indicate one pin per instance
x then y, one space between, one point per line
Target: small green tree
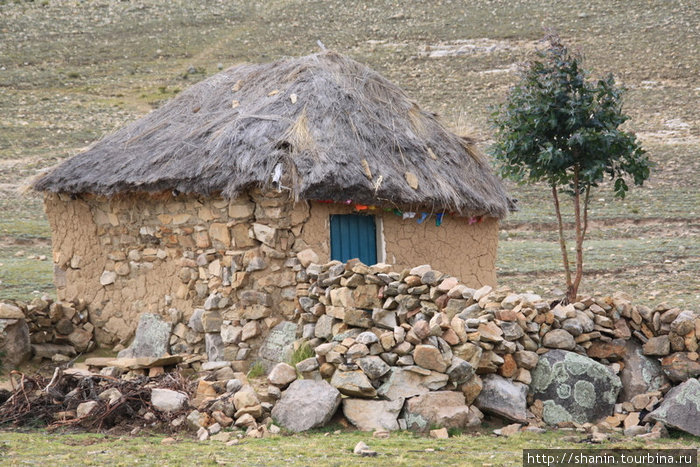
559 127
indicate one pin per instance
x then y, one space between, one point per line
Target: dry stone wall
445 352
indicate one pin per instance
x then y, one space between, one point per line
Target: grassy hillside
72 71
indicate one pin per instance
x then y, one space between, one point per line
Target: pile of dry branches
36 400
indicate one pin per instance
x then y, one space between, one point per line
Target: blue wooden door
353 236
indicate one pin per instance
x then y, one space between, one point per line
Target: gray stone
308 331
84 408
195 322
640 374
151 340
15 345
231 334
681 408
459 371
559 339
370 415
214 346
306 404
658 346
403 383
384 318
374 367
282 374
511 330
367 338
233 385
574 388
353 383
444 409
279 345
324 327
307 365
167 400
111 395
503 397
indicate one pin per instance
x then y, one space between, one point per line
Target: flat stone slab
144 362
99 362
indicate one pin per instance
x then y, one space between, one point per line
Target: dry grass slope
71 72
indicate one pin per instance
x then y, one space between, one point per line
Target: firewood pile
78 398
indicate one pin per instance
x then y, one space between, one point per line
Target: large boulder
503 397
446 409
278 345
15 347
306 404
573 388
152 338
640 374
681 408
369 415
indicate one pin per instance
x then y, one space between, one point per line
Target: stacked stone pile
417 348
45 329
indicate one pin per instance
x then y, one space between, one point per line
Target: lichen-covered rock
152 338
278 345
306 404
640 374
574 388
681 408
369 415
503 397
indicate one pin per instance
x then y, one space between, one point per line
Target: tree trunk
573 290
562 240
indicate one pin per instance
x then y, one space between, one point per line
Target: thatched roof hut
247 182
324 126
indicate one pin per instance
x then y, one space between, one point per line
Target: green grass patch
333 449
302 352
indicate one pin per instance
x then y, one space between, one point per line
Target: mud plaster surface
465 251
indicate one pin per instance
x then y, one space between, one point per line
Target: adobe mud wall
457 247
130 255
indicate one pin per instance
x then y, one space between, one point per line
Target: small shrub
301 353
256 370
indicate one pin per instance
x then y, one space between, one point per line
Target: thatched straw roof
323 126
